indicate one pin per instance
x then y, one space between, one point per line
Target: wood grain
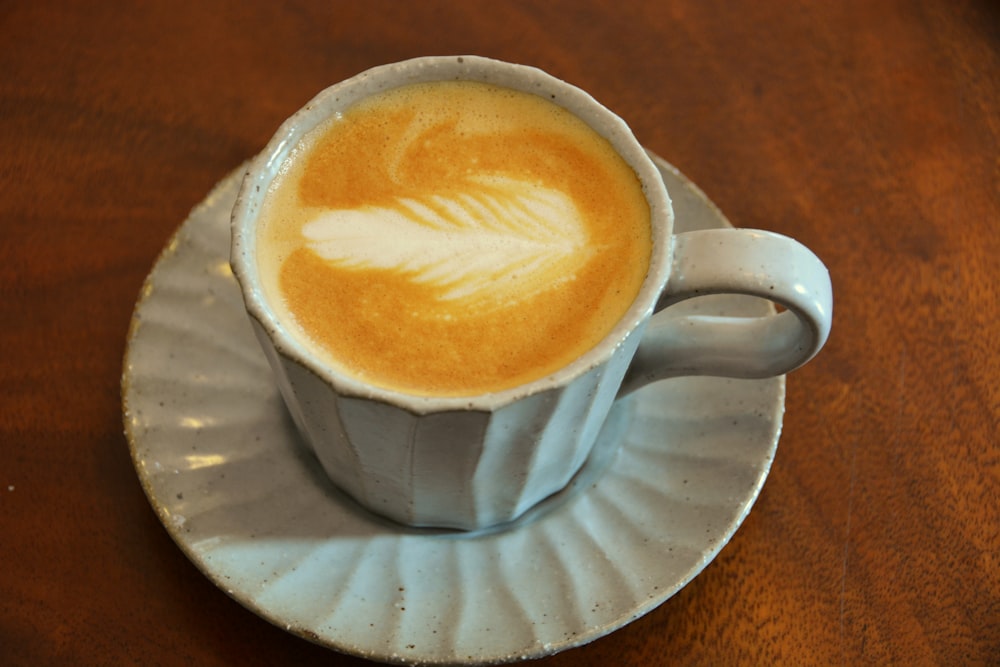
868 130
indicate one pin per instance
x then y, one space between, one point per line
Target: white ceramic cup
479 461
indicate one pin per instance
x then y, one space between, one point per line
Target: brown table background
866 129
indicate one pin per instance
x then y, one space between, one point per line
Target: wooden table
868 130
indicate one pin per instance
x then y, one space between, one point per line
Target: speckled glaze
674 472
476 462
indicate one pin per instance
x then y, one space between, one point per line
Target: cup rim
262 169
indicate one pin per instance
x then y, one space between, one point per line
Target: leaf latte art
452 239
501 240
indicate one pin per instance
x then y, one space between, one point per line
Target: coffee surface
453 239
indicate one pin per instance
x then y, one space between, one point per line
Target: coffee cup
456 265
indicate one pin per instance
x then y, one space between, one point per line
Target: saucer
676 470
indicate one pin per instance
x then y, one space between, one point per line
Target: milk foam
498 240
452 239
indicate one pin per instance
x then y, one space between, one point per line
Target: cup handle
736 261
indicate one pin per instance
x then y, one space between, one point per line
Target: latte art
499 240
452 239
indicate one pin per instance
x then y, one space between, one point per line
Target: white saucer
225 471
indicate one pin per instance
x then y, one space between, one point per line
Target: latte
452 239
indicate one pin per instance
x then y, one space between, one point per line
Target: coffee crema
452 239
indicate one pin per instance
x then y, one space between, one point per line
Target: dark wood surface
868 130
